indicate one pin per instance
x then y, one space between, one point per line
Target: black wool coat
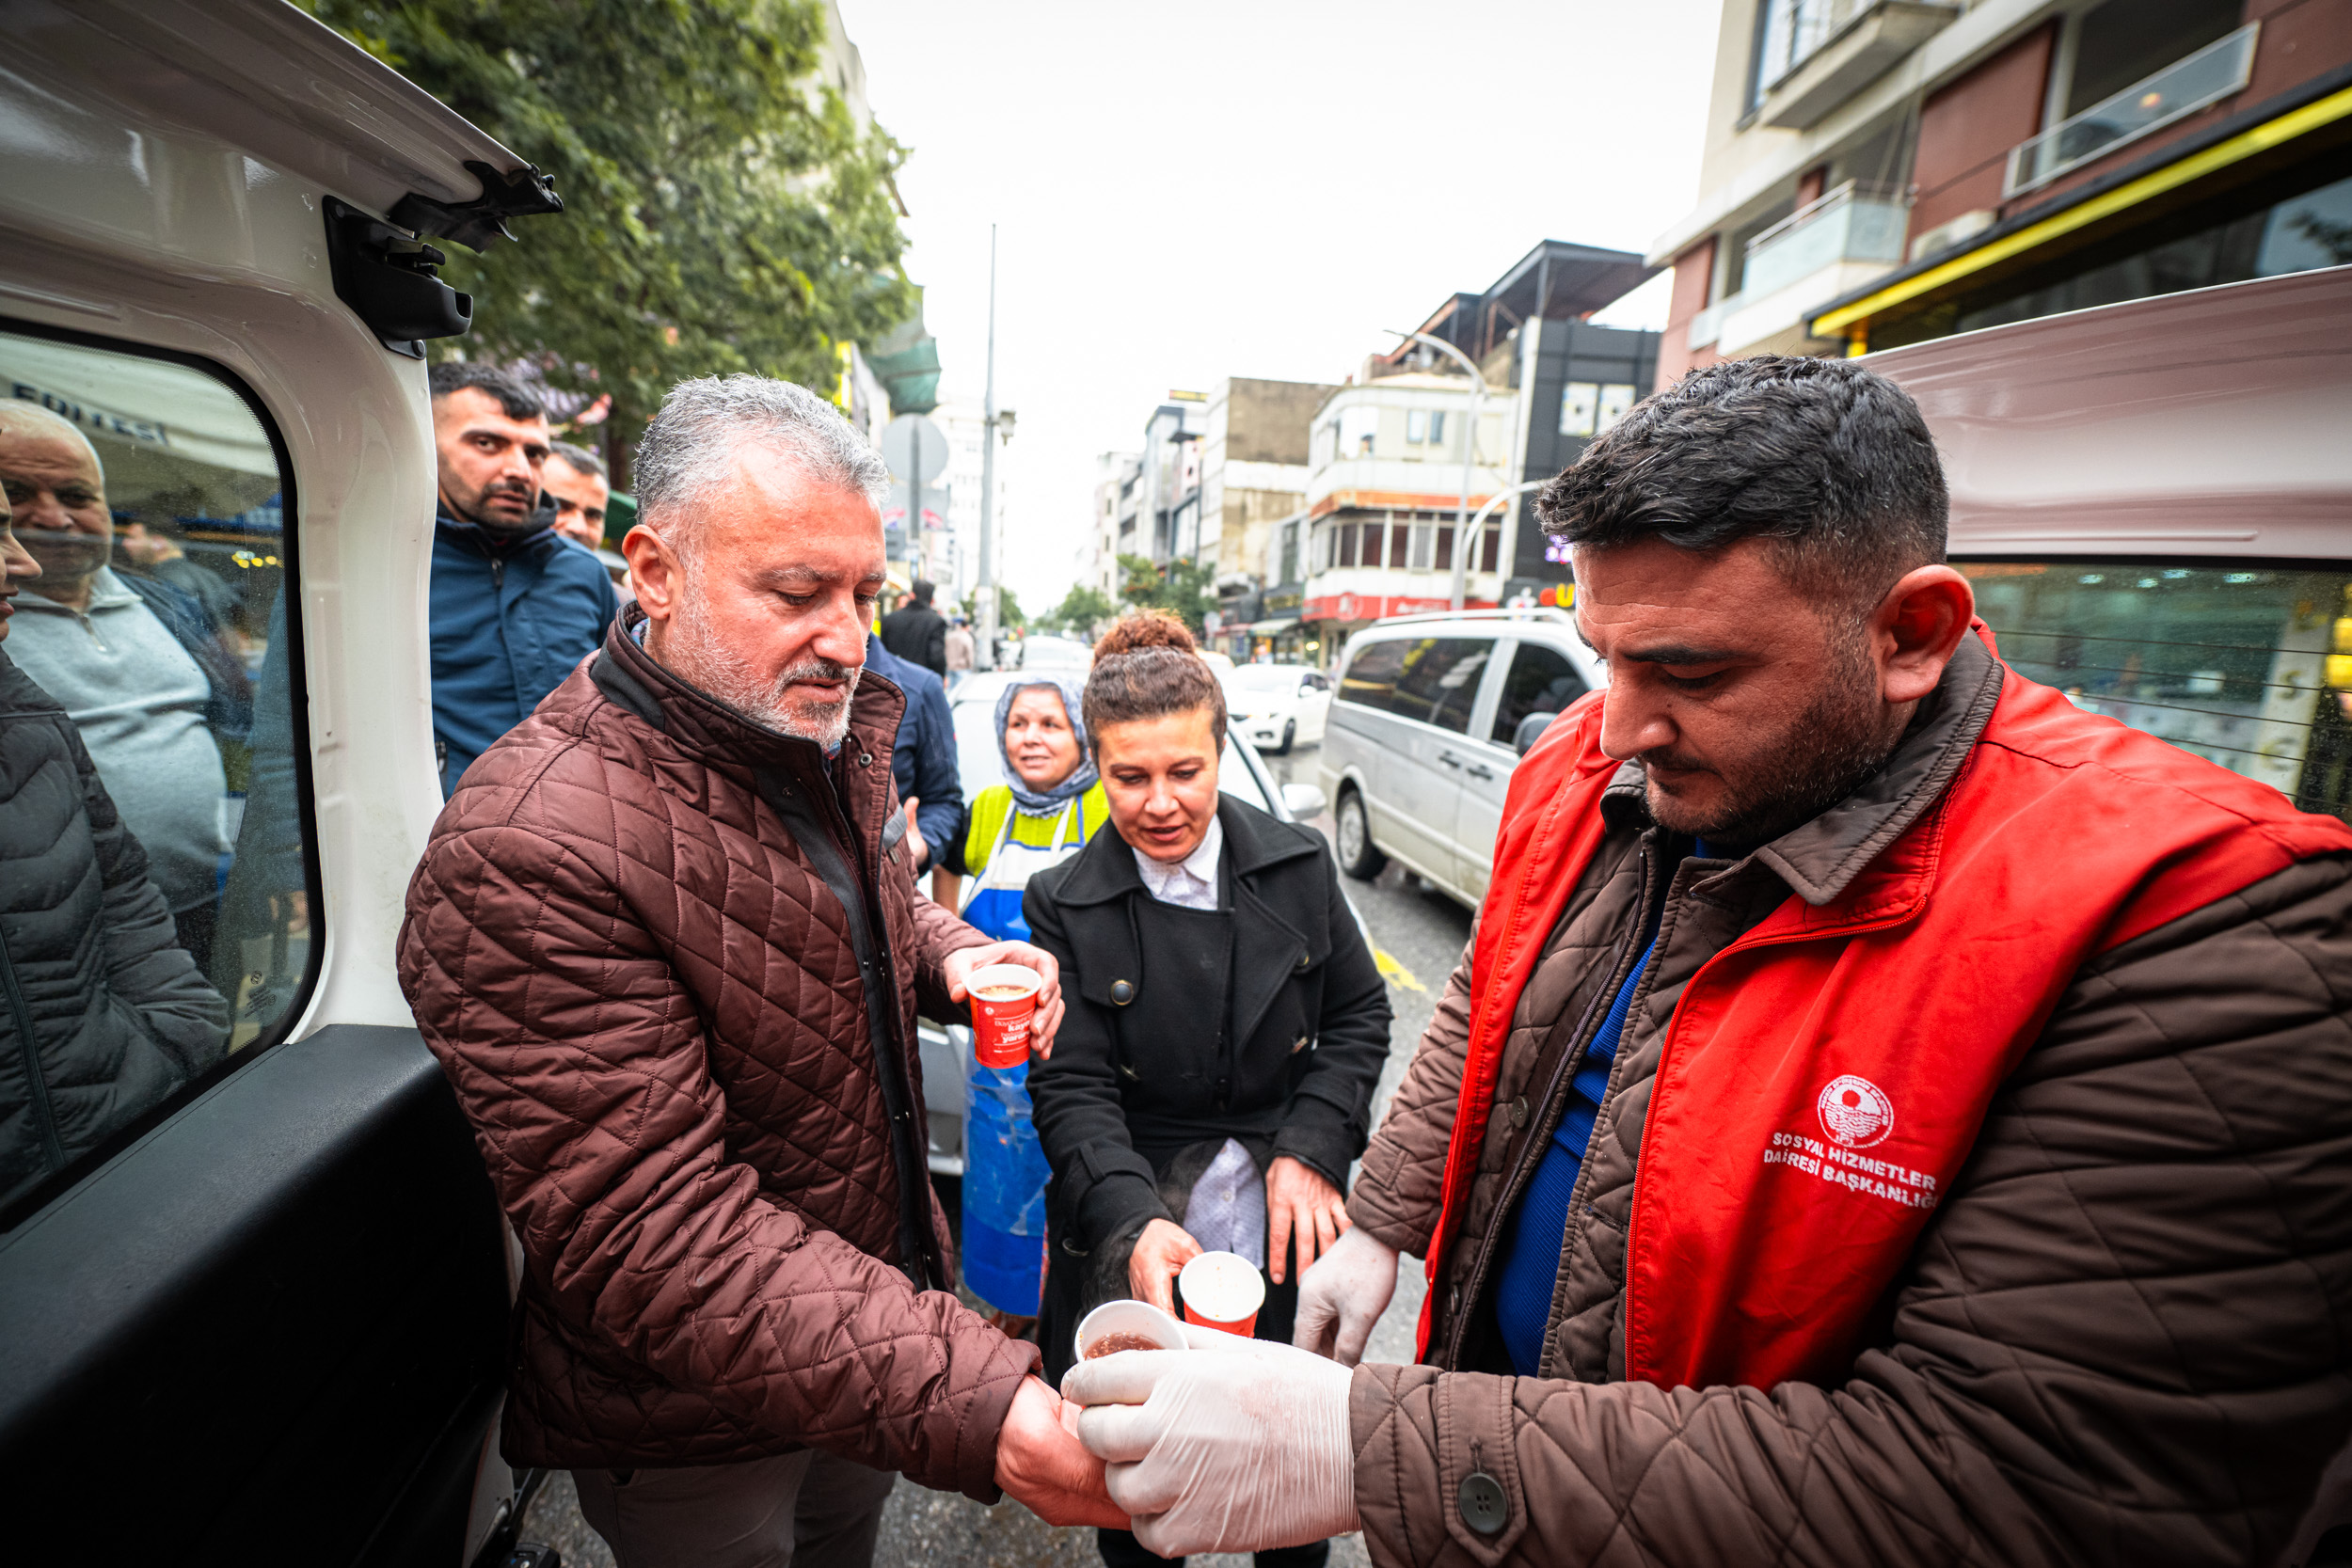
1141 1070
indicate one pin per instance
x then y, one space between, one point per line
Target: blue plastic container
1003 1192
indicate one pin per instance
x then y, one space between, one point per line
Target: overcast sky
1185 193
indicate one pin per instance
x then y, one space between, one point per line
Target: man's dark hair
1829 463
921 590
579 459
456 375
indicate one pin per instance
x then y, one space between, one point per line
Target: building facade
1879 172
1377 535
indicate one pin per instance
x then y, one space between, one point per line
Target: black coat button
1122 991
1485 1508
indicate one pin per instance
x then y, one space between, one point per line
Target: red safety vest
1823 1076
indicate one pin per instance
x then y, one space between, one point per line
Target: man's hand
1344 1295
920 852
957 967
1163 1249
1041 1466
1299 1204
1232 1446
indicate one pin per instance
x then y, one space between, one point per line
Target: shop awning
1268 628
141 403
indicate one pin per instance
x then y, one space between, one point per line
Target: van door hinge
389 280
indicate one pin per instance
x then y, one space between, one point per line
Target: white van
1432 713
254 1307
2154 501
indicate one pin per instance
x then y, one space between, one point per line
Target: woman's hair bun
1145 629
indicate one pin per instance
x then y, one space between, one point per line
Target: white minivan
1431 715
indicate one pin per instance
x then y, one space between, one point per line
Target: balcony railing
1841 225
2183 88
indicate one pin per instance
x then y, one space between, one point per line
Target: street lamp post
1469 456
986 591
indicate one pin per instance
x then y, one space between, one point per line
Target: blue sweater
510 622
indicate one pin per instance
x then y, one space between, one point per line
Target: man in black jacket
916 632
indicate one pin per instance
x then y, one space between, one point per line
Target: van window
1439 680
1541 681
2247 666
1371 675
155 918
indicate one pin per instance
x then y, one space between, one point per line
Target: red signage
1372 606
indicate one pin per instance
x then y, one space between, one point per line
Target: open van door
253 1285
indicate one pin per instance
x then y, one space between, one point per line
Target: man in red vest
1886 1114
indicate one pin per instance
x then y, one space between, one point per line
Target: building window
1423 536
1417 426
1589 407
1358 426
1347 544
1441 559
1400 543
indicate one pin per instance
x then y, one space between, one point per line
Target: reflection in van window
1371 676
1440 680
153 909
1541 681
2247 666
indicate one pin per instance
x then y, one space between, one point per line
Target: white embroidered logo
1854 1112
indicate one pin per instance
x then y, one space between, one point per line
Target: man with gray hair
665 941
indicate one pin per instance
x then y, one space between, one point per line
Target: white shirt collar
1191 881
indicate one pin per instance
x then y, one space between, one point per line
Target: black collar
1106 868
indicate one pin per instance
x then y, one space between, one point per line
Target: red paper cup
1222 1290
1003 998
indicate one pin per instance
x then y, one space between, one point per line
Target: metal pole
1462 541
985 589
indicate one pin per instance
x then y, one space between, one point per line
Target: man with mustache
666 943
514 607
1886 1114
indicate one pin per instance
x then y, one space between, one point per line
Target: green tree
722 212
1081 609
1009 615
1184 588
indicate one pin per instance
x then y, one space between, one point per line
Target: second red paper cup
1222 1290
1003 998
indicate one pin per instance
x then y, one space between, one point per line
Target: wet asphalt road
1421 933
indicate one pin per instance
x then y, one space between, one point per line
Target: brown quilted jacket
651 1008
2126 1337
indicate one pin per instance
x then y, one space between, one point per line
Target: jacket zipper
37 1086
1529 1157
498 572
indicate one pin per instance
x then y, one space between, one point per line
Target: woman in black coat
1226 1023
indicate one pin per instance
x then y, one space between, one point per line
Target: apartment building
1384 491
1118 477
1880 172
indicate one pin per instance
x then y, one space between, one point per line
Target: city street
1418 935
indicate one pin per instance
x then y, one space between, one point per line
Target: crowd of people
1883 1113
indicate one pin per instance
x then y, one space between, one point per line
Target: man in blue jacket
516 605
923 765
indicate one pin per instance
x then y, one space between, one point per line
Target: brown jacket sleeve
939 931
2121 1341
581 1064
1403 1177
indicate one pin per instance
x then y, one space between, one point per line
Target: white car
1275 706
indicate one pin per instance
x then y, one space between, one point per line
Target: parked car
1278 706
1045 652
947 1048
1427 724
2148 498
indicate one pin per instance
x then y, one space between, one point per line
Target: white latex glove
1232 1446
1342 1296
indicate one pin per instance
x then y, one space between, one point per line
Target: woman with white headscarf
1049 806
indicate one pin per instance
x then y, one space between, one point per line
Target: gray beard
695 650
